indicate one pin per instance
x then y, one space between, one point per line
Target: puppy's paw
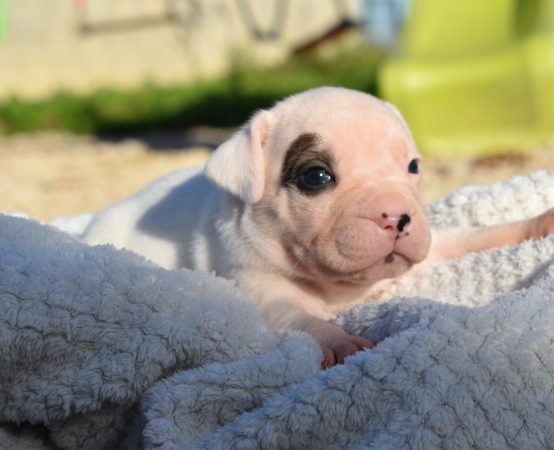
543 225
338 345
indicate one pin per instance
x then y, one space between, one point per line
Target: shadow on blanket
104 350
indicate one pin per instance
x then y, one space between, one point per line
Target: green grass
225 102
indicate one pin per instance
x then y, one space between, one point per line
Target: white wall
44 49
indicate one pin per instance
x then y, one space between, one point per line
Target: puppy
306 207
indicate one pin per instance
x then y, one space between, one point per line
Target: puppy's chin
391 266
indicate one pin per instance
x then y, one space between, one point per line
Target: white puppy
306 207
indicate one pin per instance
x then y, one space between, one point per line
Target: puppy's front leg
286 306
451 244
335 343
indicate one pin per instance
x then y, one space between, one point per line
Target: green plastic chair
474 76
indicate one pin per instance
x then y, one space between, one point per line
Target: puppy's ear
238 165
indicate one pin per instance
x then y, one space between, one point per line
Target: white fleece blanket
101 350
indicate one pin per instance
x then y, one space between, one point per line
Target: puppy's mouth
392 259
389 258
392 265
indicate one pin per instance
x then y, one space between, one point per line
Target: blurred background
99 97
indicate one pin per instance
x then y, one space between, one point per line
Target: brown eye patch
303 155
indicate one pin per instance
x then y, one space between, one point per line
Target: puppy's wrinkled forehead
334 112
333 117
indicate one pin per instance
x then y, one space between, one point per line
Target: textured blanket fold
100 349
85 331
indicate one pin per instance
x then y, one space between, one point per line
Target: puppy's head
330 178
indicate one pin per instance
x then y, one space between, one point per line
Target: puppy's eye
314 179
413 167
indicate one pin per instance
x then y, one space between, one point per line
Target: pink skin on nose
397 225
391 212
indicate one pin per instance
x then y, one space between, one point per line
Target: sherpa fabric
100 349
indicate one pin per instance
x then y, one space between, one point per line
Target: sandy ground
52 175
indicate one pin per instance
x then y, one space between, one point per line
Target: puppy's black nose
404 220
